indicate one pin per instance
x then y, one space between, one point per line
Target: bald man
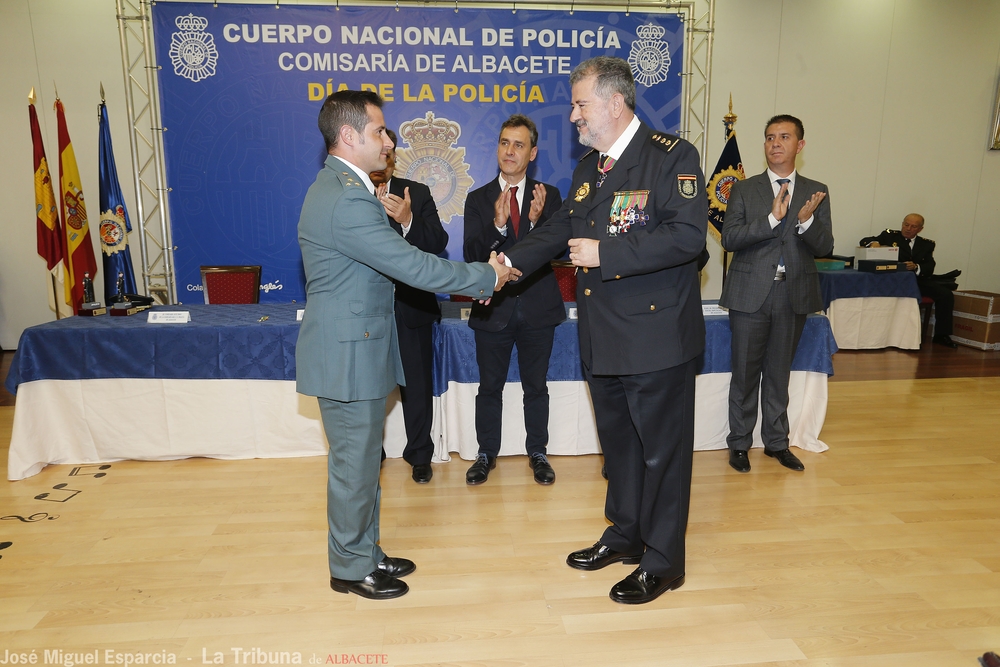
918 253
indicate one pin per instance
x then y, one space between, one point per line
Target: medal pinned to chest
627 210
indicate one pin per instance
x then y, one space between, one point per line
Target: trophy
90 306
128 304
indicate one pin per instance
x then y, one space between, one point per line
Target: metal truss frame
146 132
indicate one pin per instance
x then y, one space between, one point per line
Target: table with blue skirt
102 389
872 310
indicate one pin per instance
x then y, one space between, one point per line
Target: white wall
896 97
897 100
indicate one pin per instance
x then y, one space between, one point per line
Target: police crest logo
192 50
112 230
627 209
649 57
721 186
434 160
687 185
582 193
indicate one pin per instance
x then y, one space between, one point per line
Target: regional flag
727 172
78 257
115 225
48 229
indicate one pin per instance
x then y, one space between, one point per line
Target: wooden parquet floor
884 552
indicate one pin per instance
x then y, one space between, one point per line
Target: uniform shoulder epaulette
587 154
351 180
664 141
892 231
928 240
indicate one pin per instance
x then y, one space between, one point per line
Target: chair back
566 277
231 284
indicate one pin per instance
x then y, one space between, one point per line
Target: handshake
505 274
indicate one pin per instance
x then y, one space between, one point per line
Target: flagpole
729 120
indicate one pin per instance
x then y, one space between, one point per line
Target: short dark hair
520 120
613 76
392 136
345 107
786 118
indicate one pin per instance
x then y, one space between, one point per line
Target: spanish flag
49 231
78 257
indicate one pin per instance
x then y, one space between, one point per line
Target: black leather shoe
396 567
376 586
479 472
739 461
641 587
598 556
787 459
946 341
422 473
544 474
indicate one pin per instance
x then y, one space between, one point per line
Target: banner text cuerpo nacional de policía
241 87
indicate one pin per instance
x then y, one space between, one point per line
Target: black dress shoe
787 459
479 472
598 556
396 567
946 341
422 473
739 460
544 474
641 587
376 586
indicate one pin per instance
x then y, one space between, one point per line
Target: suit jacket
347 348
416 307
922 253
640 311
541 301
747 233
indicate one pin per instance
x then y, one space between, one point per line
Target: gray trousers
353 493
763 346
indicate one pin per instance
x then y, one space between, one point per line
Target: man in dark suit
918 253
777 223
635 221
414 216
498 216
347 354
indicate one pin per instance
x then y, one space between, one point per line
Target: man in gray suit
347 353
777 223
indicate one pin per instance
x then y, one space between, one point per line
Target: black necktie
781 225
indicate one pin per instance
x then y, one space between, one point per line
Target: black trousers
493 350
944 305
416 351
763 347
646 426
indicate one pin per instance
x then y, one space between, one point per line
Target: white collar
519 185
623 140
774 177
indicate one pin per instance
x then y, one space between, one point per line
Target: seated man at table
918 253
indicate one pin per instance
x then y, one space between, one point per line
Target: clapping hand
537 203
397 207
501 208
810 206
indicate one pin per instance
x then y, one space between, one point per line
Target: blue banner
241 87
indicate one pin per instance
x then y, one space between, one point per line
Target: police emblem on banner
112 231
192 50
627 209
687 185
650 55
434 160
720 187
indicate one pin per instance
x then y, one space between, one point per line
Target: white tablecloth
873 322
105 420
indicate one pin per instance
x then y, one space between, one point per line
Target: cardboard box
977 319
880 266
885 253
